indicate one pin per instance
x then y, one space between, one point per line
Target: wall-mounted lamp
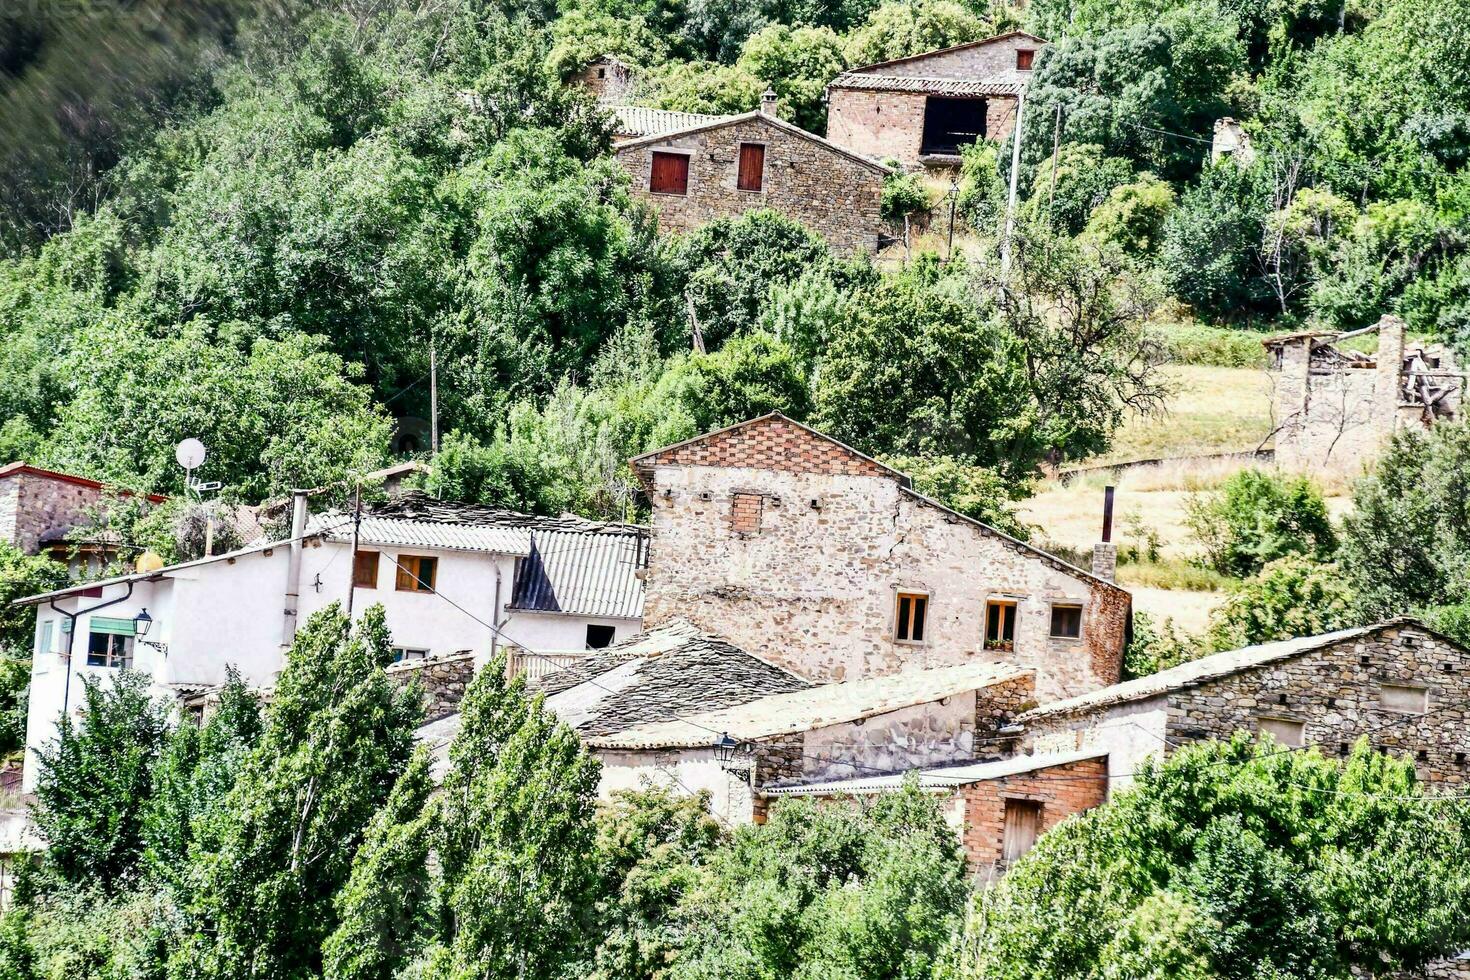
142 623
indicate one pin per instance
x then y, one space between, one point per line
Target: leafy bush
1132 217
1211 243
903 195
1257 517
1196 343
975 491
1085 176
1157 646
899 29
1289 597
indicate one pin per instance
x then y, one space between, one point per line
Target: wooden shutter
1025 59
365 570
1023 826
752 166
408 566
670 173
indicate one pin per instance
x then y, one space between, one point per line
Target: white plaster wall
922 735
547 632
1129 733
685 771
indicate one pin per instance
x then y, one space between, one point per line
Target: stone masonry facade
813 586
1405 687
1061 791
37 505
442 679
890 125
830 191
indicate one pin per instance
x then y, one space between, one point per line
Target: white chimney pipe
293 570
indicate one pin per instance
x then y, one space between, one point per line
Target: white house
445 573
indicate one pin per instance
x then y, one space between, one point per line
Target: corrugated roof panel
584 574
637 120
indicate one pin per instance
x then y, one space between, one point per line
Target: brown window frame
910 605
741 183
1002 642
1070 607
362 577
411 577
653 168
1025 59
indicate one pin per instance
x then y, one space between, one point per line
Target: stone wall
37 506
610 81
831 193
994 61
1062 791
890 125
442 679
813 587
1335 692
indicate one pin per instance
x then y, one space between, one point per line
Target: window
105 649
1022 827
602 73
599 637
950 124
1292 734
43 643
401 654
752 167
669 174
1000 625
1399 697
365 570
1066 621
1025 58
908 623
416 573
745 513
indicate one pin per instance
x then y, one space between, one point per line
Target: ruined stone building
1403 685
809 554
609 79
925 108
1337 406
725 166
39 508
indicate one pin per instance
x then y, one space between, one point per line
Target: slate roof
637 120
938 779
661 674
1205 669
812 707
931 86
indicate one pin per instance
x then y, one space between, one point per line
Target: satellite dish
190 453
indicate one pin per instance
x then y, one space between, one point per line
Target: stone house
925 108
40 507
734 164
999 808
811 555
1401 684
1336 406
609 79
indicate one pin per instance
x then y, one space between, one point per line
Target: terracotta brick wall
826 190
994 62
1061 790
769 444
745 513
890 125
33 507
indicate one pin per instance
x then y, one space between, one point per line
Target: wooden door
752 167
1022 827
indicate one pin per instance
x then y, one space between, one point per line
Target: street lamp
954 196
142 623
725 748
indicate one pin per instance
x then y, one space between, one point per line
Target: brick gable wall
770 444
1062 791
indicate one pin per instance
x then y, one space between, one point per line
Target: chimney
1105 553
768 104
293 569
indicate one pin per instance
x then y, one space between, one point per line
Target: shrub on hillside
1293 596
1257 517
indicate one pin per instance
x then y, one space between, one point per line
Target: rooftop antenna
190 454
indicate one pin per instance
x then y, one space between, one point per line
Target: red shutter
1024 60
670 174
752 166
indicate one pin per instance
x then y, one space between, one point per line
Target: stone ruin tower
1335 407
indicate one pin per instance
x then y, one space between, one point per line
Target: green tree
1210 255
383 909
21 575
975 491
1133 217
796 63
1157 646
1084 177
652 848
1406 538
1285 863
751 375
835 891
1257 517
95 783
338 734
1289 597
897 30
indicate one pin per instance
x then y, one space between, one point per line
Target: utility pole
356 527
1056 148
954 196
1005 241
433 396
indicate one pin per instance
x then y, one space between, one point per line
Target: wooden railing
537 665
